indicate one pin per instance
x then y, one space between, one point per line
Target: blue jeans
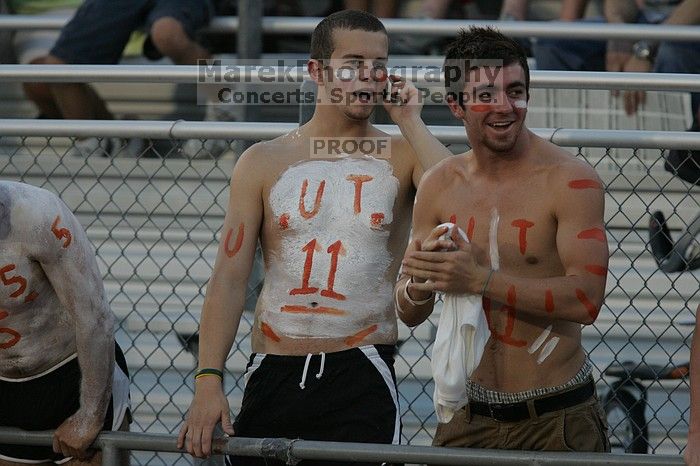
589 55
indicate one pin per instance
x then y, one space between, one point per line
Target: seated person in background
641 56
59 365
692 449
536 253
546 10
33 45
98 33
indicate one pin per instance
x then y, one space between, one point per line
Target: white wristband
411 301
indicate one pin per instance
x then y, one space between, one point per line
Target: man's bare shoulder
563 165
447 171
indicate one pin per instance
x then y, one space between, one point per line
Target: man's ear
453 103
315 69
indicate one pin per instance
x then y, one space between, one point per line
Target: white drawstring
323 363
306 369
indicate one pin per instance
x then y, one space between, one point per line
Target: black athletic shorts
347 396
100 29
44 403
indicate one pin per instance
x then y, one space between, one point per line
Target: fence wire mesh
153 212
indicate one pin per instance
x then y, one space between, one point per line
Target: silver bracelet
411 301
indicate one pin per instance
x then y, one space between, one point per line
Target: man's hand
208 407
447 265
692 450
76 434
404 102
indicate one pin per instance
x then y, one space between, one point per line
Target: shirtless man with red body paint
333 228
537 252
58 368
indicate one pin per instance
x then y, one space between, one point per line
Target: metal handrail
293 451
180 129
283 25
295 74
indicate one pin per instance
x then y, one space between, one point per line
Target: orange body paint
361 335
593 233
358 180
590 307
597 270
317 202
549 301
284 221
453 219
15 335
376 220
335 250
523 225
269 333
31 297
585 184
480 107
16 280
312 310
309 249
230 252
61 233
506 337
470 228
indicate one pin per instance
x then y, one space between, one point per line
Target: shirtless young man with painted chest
333 231
537 251
57 350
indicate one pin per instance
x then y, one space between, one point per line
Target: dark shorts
582 427
44 403
100 29
353 398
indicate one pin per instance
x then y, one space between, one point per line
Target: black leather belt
513 412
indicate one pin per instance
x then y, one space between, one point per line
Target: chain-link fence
154 214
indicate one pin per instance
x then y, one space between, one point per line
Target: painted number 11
310 248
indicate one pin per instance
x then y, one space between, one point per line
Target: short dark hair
322 45
481 43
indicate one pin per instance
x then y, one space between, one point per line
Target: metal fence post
110 455
250 14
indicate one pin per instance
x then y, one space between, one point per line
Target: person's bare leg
385 8
171 40
77 101
40 94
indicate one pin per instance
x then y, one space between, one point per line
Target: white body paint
493 239
520 104
538 342
547 350
361 270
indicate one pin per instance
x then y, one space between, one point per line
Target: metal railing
280 25
296 75
264 131
293 451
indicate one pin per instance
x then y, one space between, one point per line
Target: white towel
461 336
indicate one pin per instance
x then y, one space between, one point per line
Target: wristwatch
644 50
